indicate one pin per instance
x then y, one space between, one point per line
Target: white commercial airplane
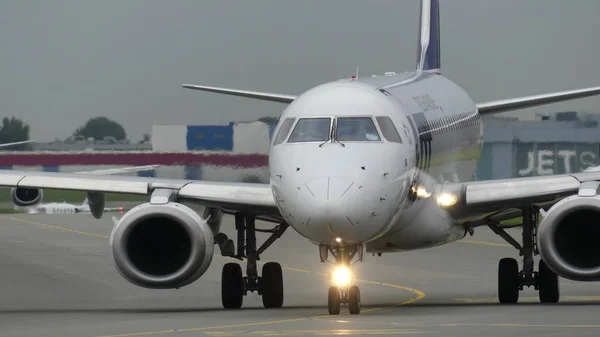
66 208
371 164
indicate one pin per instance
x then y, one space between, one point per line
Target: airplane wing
476 201
493 107
485 108
16 143
592 169
230 197
264 96
120 170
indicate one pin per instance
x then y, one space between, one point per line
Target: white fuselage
356 187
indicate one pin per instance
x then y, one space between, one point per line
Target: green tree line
14 129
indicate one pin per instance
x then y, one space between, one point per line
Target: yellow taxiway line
418 293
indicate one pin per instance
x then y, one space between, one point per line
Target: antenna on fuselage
355 76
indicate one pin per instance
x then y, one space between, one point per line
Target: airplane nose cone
329 189
330 207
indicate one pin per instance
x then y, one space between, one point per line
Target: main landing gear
511 280
342 291
235 285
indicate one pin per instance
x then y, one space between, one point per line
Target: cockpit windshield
311 130
356 129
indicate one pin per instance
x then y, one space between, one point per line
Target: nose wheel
337 297
342 292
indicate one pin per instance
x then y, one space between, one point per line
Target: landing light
422 192
341 276
338 240
446 199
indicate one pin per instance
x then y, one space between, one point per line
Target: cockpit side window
284 130
311 130
356 129
390 133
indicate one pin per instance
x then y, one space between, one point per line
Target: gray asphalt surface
58 279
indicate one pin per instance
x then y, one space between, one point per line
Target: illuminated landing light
338 240
446 199
341 276
422 192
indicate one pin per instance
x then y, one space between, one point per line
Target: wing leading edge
494 107
475 200
230 197
479 199
263 96
485 108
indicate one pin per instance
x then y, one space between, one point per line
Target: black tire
509 281
354 300
232 286
272 285
333 301
548 285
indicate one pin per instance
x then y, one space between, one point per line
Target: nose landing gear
337 297
343 291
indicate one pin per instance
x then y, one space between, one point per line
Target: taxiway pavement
58 279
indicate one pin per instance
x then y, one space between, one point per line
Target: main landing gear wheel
232 286
334 301
547 282
509 281
272 285
354 300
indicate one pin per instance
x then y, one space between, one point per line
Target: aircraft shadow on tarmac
318 309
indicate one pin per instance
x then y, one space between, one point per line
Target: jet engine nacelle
24 197
162 246
568 238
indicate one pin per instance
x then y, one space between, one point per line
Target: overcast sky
64 61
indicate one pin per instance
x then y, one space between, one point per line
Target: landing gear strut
343 291
511 280
234 285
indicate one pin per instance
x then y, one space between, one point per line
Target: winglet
263 96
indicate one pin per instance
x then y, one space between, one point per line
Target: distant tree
269 120
146 138
100 127
14 130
